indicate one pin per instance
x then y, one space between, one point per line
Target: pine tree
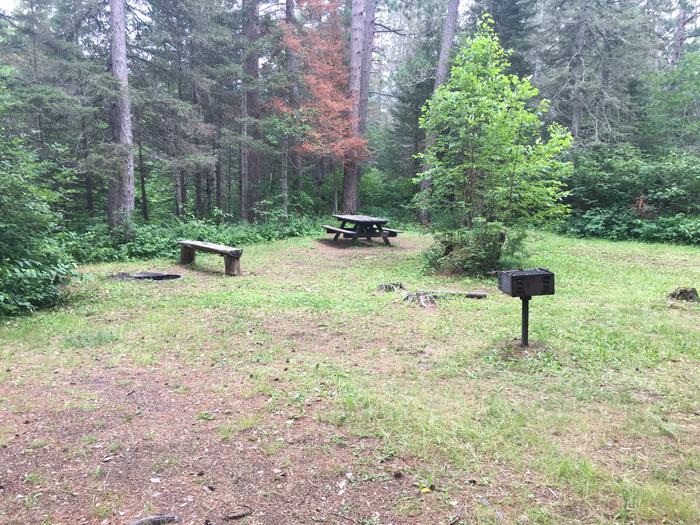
120 201
514 23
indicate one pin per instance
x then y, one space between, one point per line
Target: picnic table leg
232 265
356 229
337 235
186 254
384 237
367 232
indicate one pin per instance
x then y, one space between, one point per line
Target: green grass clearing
596 423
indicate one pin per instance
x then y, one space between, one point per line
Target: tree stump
685 294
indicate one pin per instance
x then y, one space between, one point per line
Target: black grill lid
526 273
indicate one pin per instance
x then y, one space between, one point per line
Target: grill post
525 321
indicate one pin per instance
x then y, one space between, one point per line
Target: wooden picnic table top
360 219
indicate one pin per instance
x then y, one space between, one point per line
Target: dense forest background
119 118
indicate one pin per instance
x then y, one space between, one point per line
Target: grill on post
526 284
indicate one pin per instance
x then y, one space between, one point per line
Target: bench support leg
186 255
232 265
386 241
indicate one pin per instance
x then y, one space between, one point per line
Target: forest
128 124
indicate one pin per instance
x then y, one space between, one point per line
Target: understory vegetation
620 193
160 240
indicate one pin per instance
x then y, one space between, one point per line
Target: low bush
618 193
621 223
33 264
149 241
484 247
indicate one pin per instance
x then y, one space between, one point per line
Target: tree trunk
361 46
577 76
198 194
251 29
351 187
89 186
245 154
443 68
142 177
320 178
296 161
177 181
448 36
366 70
183 189
120 201
218 184
291 67
284 180
335 191
209 188
229 182
679 36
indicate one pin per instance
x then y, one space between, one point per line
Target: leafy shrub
32 262
618 193
476 251
149 241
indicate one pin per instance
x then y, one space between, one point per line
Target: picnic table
361 226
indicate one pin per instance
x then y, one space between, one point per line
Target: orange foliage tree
325 106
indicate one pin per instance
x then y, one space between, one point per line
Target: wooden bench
232 256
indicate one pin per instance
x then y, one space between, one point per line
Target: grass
595 423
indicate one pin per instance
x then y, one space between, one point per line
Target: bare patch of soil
109 446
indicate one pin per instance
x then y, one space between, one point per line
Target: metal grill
526 284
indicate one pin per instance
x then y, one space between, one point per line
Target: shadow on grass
345 244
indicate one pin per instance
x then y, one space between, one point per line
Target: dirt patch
146 443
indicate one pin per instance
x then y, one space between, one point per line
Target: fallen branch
390 287
161 519
426 299
442 294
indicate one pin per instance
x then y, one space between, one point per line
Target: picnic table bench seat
232 256
335 229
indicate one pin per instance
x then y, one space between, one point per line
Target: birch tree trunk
361 47
443 68
120 192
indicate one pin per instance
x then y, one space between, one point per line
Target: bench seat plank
334 229
213 248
